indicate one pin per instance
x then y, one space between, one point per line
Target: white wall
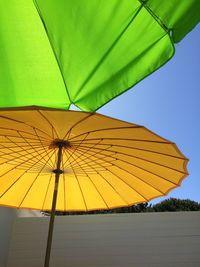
6 221
117 240
7 218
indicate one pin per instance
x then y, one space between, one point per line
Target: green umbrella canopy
85 52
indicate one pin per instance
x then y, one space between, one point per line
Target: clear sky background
168 103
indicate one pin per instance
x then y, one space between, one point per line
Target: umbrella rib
88 148
30 162
25 146
52 127
107 129
114 189
74 164
10 119
15 180
86 208
18 151
155 164
9 135
96 165
46 191
136 148
33 182
121 153
20 142
17 166
80 121
34 148
107 183
8 161
143 170
12 184
135 176
123 139
66 137
69 163
130 185
43 147
104 179
76 148
15 130
93 161
93 184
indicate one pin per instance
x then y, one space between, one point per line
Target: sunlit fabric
55 53
106 163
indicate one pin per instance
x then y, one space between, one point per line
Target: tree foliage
174 204
171 204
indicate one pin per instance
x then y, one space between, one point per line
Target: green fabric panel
85 52
103 47
29 74
180 16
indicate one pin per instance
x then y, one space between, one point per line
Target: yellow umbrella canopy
104 162
70 160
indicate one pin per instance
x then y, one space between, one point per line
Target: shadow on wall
7 216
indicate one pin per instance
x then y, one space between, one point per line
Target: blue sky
167 102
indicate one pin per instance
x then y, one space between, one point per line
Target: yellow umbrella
79 161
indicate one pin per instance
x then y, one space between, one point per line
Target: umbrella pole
57 172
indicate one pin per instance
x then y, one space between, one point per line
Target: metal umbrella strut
79 161
58 171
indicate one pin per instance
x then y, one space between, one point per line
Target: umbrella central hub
56 143
58 171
